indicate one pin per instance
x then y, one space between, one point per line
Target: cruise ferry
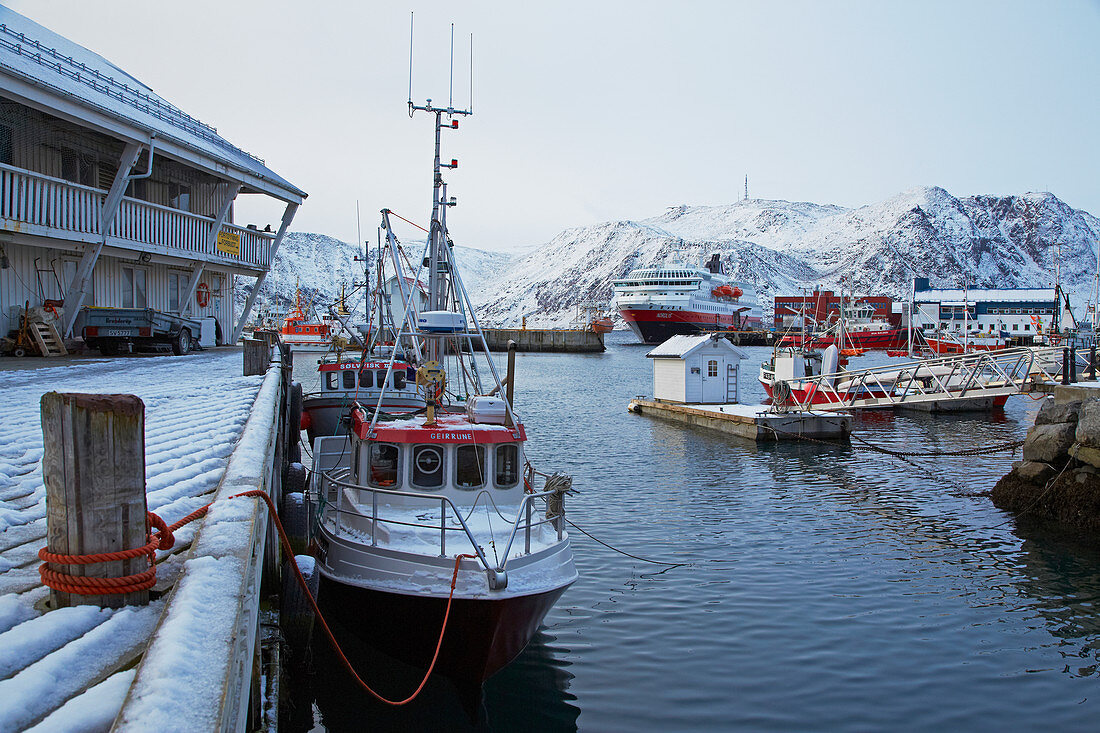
662 301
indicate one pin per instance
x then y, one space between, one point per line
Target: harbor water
823 588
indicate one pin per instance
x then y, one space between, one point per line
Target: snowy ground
195 406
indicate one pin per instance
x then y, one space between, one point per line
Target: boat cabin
451 458
352 376
696 369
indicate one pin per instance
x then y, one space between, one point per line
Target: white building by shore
1013 312
111 196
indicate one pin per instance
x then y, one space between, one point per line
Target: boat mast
1096 294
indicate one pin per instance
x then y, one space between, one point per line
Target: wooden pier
192 658
752 422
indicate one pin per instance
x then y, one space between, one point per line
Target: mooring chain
867 445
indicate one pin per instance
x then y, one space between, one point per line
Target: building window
1027 326
5 145
1015 326
175 285
470 466
133 287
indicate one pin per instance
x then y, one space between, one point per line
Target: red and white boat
663 301
303 334
349 378
860 330
790 376
437 507
948 344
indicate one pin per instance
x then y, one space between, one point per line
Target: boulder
1088 424
1049 443
1034 472
1085 454
1051 412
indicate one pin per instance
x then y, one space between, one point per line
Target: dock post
511 389
1072 364
1092 362
257 357
1065 365
93 467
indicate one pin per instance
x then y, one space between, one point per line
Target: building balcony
34 204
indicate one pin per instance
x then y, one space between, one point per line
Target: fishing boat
431 525
790 375
302 333
860 329
662 301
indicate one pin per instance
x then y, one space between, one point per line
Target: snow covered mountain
320 265
781 246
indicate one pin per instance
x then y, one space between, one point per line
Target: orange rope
409 222
164 539
324 625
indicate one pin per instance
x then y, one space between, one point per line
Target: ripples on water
828 588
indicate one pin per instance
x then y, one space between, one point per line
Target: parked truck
114 330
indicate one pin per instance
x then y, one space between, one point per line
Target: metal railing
981 374
333 486
70 210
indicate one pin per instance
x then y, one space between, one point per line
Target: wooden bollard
257 357
93 466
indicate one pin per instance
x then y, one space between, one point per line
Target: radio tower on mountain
746 186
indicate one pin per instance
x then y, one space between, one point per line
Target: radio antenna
472 80
410 62
451 82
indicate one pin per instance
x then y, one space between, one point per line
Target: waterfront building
1013 312
823 306
112 196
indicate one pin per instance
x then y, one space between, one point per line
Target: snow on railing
65 209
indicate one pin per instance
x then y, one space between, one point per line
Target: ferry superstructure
661 301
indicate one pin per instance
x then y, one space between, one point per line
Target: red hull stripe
688 317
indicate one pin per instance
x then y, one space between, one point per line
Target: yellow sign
229 243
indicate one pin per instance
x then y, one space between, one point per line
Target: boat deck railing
334 484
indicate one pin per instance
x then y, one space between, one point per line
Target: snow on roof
1005 295
35 53
678 347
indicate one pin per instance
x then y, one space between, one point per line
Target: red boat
952 345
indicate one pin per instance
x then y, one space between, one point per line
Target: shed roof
679 347
32 53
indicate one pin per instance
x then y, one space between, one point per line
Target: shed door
714 381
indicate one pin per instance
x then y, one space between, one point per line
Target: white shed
699 369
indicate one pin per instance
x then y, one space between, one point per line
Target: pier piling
257 357
93 468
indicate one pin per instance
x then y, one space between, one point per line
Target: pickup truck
111 330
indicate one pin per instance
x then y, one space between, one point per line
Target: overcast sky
591 111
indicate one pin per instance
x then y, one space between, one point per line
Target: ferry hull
656 326
483 635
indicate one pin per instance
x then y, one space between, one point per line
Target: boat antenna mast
436 261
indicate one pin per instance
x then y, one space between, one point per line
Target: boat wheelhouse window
470 466
427 466
380 379
366 379
349 379
399 379
332 380
506 466
383 460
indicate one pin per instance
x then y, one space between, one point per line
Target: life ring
202 295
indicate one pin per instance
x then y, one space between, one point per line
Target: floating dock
565 340
752 422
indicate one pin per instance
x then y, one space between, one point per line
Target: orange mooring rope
163 540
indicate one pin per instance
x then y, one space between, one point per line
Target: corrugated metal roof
34 52
1003 295
678 347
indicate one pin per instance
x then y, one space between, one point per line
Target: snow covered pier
185 660
753 422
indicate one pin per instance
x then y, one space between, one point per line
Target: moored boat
430 525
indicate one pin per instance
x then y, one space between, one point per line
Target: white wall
668 380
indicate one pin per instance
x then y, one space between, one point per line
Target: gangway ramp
989 376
